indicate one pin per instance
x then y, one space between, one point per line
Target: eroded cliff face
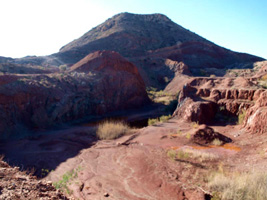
40 101
255 119
201 98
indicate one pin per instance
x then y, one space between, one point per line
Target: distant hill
132 34
147 41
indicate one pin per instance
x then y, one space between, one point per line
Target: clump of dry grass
200 155
241 117
162 119
217 142
195 125
189 153
245 186
109 130
171 154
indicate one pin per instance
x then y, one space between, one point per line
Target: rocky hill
44 100
132 34
148 41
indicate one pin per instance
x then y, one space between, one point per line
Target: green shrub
109 130
66 180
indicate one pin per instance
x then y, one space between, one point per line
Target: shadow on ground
44 152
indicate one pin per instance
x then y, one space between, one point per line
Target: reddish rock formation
199 111
256 116
119 80
40 101
201 98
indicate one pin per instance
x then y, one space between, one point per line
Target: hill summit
129 34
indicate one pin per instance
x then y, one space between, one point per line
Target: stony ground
15 185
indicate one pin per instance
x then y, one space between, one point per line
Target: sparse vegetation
264 78
188 136
179 132
263 81
63 68
109 130
181 154
187 153
161 119
161 96
153 121
217 142
212 76
195 125
164 118
245 186
44 172
171 154
241 117
67 178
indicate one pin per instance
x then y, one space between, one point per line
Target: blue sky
41 27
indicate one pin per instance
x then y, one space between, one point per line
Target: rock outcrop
40 101
256 116
201 98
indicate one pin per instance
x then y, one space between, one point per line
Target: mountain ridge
147 40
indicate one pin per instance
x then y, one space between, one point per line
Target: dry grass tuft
162 119
109 130
264 78
195 125
152 122
241 117
200 155
245 186
187 153
217 142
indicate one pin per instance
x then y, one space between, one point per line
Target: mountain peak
146 17
134 33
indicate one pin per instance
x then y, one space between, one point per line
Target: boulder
206 135
195 111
